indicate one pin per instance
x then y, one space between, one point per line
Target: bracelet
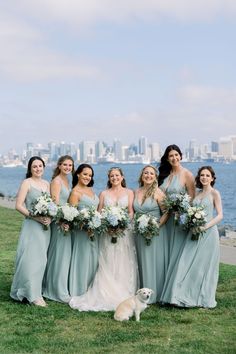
30 216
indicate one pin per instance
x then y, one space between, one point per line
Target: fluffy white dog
133 305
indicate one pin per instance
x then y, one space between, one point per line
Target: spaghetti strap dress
84 257
152 259
59 258
31 256
117 275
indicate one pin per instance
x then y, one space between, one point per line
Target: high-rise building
87 151
193 150
233 139
100 150
143 146
155 151
117 149
53 151
226 148
214 146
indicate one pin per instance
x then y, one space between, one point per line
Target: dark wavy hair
78 171
31 160
165 167
123 182
212 172
60 161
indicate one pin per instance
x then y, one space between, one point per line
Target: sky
73 70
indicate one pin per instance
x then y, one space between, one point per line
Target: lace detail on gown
117 275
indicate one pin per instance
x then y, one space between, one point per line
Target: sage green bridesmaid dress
59 256
31 256
84 258
195 282
152 259
175 236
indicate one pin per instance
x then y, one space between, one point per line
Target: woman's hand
65 227
44 220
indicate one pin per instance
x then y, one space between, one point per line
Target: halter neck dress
176 236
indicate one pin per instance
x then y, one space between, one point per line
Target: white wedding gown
117 275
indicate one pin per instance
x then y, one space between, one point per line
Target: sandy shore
7 202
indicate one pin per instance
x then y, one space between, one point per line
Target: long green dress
195 281
31 256
59 257
84 258
152 259
175 236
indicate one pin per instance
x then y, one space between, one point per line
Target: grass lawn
58 329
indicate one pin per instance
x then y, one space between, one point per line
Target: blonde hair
150 192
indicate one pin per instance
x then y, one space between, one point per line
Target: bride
117 274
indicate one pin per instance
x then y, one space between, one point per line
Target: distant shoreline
8 202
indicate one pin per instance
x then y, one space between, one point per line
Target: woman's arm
55 189
130 203
101 201
219 212
160 196
74 198
20 198
190 184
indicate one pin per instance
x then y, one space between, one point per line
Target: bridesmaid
151 259
173 177
31 257
59 252
84 258
196 278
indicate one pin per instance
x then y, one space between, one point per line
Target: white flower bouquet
147 226
177 203
89 219
66 215
115 220
44 206
193 220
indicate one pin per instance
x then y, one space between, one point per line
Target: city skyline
142 151
90 71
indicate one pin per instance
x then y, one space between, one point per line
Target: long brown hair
31 160
60 161
212 172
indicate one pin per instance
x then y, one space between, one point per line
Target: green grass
58 329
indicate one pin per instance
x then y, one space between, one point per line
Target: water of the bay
10 179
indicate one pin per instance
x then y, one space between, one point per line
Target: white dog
133 305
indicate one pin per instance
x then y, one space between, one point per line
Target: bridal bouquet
89 219
115 220
66 214
177 203
193 220
147 226
44 206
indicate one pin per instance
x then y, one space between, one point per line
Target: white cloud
89 12
25 56
206 95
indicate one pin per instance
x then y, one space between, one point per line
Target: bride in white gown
117 274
